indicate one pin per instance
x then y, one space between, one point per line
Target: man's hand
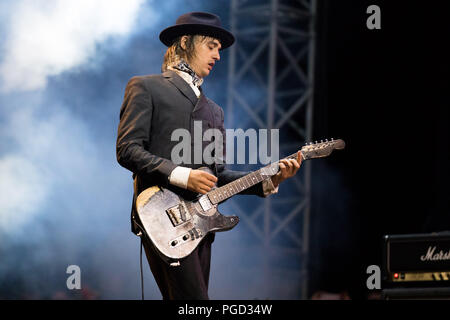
288 168
201 181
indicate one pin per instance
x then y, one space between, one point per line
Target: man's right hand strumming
201 181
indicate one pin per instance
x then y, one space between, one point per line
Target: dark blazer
153 107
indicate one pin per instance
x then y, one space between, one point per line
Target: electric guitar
176 226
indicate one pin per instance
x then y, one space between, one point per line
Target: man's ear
183 42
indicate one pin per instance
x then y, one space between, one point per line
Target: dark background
385 93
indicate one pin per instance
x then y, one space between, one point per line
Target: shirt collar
186 69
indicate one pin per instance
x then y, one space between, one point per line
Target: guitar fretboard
317 150
230 189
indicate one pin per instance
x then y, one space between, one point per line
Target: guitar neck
230 189
312 151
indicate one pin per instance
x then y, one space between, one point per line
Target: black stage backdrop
385 92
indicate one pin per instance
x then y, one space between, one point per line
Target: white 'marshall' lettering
431 256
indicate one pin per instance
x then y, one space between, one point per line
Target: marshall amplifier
417 260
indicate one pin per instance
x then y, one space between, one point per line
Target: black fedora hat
202 23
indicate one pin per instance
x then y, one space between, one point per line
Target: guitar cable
142 274
140 234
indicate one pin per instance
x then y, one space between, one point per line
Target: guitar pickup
205 203
178 214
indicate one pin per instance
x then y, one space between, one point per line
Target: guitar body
176 226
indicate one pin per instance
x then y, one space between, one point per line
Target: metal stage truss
270 86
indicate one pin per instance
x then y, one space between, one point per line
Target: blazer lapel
182 85
200 103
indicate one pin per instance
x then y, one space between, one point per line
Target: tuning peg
332 139
321 141
326 140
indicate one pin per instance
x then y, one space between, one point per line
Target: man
156 105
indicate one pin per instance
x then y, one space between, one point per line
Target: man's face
206 55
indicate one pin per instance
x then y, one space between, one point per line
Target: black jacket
153 107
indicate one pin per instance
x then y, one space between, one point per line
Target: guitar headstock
321 149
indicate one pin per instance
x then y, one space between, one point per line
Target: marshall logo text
431 256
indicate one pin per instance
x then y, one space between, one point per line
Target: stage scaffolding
270 86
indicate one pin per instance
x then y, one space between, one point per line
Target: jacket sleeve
134 133
226 176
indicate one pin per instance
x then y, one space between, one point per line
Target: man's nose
216 55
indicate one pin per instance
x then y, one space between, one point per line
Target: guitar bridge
178 214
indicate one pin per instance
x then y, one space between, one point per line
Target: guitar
176 226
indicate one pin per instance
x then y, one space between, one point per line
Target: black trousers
189 280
